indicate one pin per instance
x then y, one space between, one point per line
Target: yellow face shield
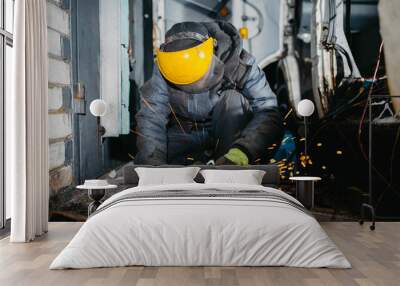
186 66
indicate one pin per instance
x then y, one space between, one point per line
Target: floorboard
375 257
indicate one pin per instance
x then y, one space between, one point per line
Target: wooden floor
375 257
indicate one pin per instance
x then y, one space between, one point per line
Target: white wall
269 42
265 46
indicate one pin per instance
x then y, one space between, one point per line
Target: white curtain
26 123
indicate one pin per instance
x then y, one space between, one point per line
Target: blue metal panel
148 38
90 160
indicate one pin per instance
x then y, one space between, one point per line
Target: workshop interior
332 54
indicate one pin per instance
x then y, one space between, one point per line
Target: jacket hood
229 45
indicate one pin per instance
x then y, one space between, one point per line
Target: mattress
201 225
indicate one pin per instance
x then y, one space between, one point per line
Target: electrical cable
372 88
341 109
346 106
331 21
341 50
329 44
383 178
366 105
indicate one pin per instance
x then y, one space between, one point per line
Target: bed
197 224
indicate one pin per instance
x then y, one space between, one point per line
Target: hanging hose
378 62
260 25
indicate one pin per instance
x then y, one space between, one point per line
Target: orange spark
176 118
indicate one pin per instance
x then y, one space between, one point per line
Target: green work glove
237 156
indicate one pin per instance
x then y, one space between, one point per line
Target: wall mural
219 94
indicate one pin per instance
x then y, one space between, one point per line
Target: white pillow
248 177
166 176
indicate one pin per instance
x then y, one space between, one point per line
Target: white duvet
193 231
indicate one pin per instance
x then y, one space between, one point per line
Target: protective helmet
187 53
